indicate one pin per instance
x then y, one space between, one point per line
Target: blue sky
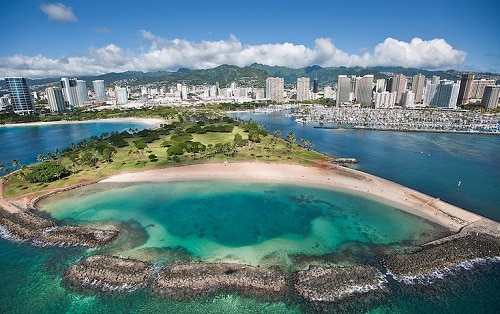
85 37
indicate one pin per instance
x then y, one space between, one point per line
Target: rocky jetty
331 284
187 281
442 257
22 226
25 226
76 235
109 273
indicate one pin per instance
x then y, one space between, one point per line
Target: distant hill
254 75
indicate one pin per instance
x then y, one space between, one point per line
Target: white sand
339 178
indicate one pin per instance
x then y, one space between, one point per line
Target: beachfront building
446 94
490 96
303 84
20 95
81 92
275 87
99 91
430 91
465 89
397 84
385 100
417 87
56 99
69 92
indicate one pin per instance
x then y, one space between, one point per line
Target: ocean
270 224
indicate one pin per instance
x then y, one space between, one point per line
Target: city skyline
73 38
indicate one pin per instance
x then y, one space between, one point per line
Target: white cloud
58 12
164 54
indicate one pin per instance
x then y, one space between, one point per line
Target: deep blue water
432 163
24 143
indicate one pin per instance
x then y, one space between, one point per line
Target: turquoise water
254 223
340 225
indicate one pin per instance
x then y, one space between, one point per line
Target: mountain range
254 75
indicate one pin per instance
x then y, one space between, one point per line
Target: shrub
46 171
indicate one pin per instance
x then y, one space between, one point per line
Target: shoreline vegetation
259 158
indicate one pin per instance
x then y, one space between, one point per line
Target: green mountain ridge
254 75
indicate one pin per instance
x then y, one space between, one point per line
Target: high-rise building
343 89
490 97
81 92
69 92
465 88
478 86
430 91
99 91
446 94
56 99
381 86
315 86
121 95
397 84
408 99
355 88
20 95
303 84
385 100
435 79
363 90
417 87
275 87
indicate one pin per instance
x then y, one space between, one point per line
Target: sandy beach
336 177
152 121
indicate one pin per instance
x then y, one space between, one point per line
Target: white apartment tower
121 95
446 94
275 87
69 92
303 92
99 91
385 100
81 92
56 99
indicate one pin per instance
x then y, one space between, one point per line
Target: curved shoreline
330 176
478 240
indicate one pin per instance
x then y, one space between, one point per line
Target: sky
89 37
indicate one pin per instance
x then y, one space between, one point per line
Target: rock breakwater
24 226
436 259
193 280
321 284
109 273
